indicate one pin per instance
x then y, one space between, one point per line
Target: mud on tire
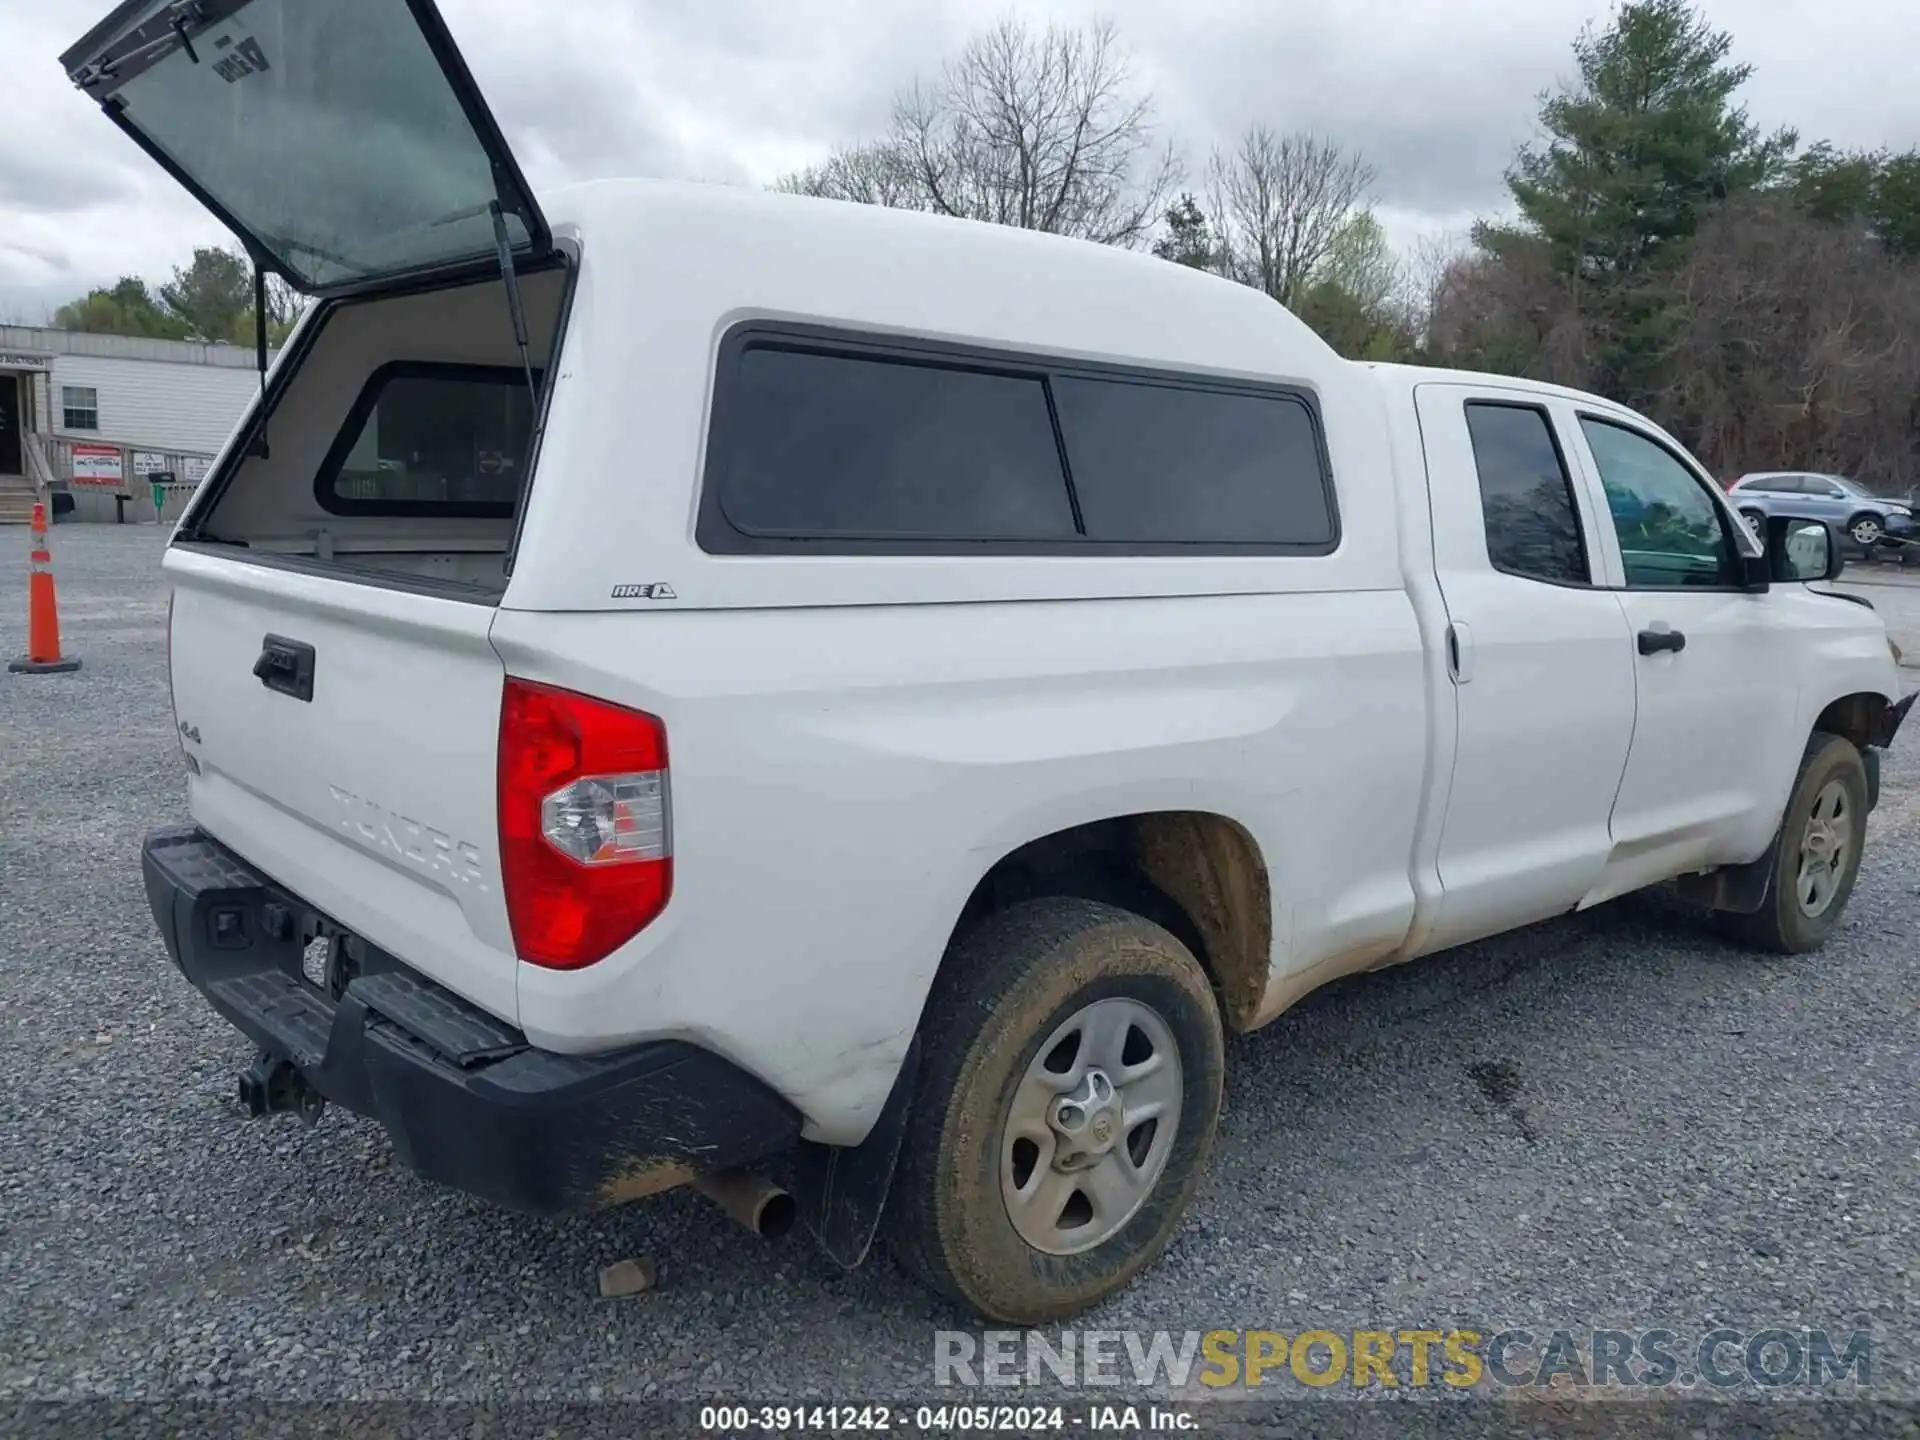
1008 990
1832 777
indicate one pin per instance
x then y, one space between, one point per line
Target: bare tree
1279 203
1508 313
1044 131
1424 269
1784 342
284 303
1796 344
19 313
876 174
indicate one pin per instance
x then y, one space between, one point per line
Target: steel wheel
1824 849
1866 531
1063 1112
1090 1127
1756 525
1815 855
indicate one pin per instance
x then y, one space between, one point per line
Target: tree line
208 299
1758 298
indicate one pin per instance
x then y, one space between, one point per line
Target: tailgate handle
287 666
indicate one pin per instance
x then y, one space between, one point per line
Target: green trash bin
160 480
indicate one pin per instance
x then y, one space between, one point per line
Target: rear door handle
1652 642
287 666
1460 652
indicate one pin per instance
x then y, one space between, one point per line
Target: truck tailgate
345 740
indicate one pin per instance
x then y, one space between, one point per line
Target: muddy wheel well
1852 717
1199 875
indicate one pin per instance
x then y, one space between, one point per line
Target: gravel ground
1613 1119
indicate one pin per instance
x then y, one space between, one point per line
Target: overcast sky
1436 95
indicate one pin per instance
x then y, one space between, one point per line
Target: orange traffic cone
43 655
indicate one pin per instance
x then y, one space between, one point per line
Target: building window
79 407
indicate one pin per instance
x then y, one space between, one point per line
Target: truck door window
1526 496
1672 534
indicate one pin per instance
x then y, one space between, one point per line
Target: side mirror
1803 550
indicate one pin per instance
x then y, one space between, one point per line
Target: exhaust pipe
755 1202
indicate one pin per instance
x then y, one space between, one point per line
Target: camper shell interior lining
390 445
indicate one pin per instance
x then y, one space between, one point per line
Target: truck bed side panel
843 777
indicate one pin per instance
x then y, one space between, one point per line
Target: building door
12 462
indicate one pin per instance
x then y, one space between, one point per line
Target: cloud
34 179
739 91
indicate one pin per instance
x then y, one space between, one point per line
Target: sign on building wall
193 469
96 465
148 462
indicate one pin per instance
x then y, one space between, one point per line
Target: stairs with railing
16 499
18 493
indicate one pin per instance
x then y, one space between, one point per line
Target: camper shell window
432 439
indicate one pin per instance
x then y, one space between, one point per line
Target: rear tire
1826 817
1756 521
1037 1005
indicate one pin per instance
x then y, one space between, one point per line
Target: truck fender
1742 889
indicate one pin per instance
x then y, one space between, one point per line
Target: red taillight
586 852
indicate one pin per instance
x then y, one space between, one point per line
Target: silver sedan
1867 518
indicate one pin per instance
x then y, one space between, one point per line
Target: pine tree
1189 238
1645 143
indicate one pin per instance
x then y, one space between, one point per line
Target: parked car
903 689
1867 519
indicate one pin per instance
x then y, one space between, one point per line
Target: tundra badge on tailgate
432 850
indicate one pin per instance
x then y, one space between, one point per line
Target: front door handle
1652 642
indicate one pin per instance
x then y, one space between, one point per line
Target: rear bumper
467 1101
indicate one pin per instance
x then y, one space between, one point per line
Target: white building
98 415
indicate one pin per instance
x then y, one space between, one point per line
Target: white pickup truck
672 676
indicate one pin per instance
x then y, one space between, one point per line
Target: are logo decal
658 590
246 58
